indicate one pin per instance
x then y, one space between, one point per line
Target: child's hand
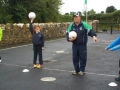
106 49
31 20
42 48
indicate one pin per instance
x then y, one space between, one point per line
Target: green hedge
109 17
106 20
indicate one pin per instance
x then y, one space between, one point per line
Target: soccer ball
31 15
72 34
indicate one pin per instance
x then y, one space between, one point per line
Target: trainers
39 66
117 78
81 73
34 65
74 72
0 60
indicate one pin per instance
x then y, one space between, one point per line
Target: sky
97 5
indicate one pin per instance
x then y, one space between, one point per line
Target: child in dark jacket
38 45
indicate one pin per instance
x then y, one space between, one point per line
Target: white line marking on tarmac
102 74
60 51
62 70
27 45
96 45
13 65
15 47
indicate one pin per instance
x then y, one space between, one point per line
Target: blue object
115 48
115 45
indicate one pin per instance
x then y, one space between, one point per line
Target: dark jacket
31 28
38 39
83 30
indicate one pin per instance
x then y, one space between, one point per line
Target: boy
38 45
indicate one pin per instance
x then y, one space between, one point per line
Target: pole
111 28
86 13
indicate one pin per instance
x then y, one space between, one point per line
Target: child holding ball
38 46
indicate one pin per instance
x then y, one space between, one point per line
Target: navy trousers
79 57
37 49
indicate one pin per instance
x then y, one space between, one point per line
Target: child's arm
114 43
115 48
31 26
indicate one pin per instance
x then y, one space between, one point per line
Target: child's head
36 28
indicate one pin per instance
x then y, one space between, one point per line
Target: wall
18 34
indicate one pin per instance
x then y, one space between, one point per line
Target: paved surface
102 67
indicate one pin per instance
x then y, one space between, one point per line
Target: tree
110 9
72 13
91 12
66 13
51 11
17 10
102 12
84 13
67 18
4 15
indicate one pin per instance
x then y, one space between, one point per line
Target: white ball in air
32 15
